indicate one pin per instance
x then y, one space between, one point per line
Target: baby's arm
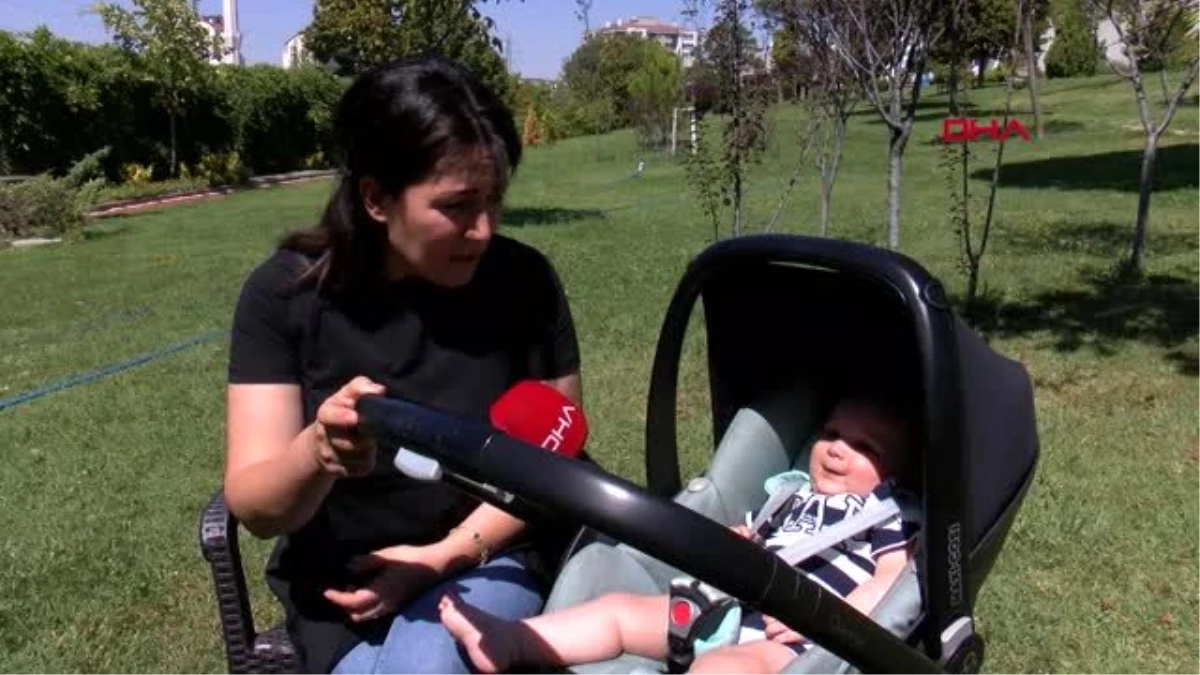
888 567
742 530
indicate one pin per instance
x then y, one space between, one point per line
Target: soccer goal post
690 112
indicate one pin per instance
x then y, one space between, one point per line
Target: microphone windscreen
538 414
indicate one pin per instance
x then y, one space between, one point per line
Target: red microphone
538 414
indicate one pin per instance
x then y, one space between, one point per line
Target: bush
278 118
38 207
113 192
1075 50
220 168
136 174
45 206
655 89
60 99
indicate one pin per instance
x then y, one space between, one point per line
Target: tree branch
1179 93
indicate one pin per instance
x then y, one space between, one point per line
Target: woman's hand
777 632
402 573
341 449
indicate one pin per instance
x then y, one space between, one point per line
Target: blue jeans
416 641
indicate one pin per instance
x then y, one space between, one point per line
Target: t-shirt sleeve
262 346
555 349
891 535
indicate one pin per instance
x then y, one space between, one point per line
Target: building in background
223 28
294 52
677 39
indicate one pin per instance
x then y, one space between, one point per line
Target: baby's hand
776 631
743 530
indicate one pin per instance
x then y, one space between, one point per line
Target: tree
833 84
172 46
353 35
741 96
1075 51
654 90
986 31
886 45
835 98
583 12
790 69
1031 14
1140 28
957 162
598 74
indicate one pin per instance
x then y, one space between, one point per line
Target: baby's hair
900 414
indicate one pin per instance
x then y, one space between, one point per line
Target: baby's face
852 454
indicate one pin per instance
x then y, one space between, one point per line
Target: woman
402 289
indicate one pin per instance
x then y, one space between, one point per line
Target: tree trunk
972 289
953 85
737 202
829 173
981 66
955 55
899 139
1032 74
1137 253
174 165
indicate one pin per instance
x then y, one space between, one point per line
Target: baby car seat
763 440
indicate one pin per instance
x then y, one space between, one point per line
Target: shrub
60 99
113 192
45 206
222 168
136 174
37 207
1075 50
315 161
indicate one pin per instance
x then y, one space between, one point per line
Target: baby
852 465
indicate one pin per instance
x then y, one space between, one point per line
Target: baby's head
863 443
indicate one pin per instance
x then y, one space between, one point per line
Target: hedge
62 100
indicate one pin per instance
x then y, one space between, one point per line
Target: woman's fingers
358 387
337 416
364 604
355 601
343 451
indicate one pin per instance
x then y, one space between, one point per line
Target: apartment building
677 39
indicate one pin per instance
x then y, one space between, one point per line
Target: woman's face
439 229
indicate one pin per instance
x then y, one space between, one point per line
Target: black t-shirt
454 350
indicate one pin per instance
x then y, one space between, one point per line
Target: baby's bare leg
601 629
760 656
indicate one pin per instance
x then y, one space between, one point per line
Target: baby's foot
492 643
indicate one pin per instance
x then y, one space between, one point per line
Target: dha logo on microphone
555 439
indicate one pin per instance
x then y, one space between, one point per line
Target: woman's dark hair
396 123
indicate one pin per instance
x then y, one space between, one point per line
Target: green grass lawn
101 483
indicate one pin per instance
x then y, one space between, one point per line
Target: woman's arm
273 482
277 473
570 386
496 528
